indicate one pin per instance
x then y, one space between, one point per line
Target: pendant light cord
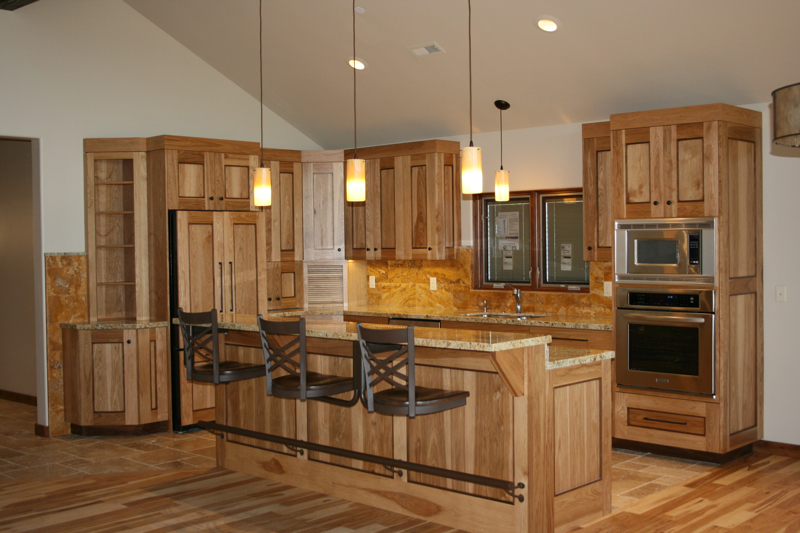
261 82
501 139
355 116
469 10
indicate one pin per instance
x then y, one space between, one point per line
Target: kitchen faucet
518 296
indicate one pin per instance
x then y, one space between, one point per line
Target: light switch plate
780 293
433 284
607 288
372 282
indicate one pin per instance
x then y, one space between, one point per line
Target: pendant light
262 177
356 182
501 176
786 115
471 164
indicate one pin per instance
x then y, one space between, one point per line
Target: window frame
479 240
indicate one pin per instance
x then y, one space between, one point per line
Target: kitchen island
537 422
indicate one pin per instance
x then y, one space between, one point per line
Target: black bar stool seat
316 385
228 370
387 355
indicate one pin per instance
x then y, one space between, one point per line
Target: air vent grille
325 285
423 50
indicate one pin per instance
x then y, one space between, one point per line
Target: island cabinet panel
598 218
477 439
349 428
205 180
578 448
115 377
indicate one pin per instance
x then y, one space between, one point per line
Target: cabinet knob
278 299
429 248
220 197
269 299
210 197
368 249
669 202
590 247
655 203
128 341
338 249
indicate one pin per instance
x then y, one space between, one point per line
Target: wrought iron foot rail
508 486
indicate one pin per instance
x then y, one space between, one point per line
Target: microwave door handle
687 320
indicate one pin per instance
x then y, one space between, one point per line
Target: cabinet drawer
694 425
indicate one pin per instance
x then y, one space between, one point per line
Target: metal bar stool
292 357
199 330
404 398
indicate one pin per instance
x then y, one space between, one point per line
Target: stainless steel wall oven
665 339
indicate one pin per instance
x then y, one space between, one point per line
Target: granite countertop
122 323
562 356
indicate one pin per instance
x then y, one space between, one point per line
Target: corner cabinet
116 379
117 231
413 203
598 218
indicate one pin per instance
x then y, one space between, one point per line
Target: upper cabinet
598 217
206 174
323 205
413 203
666 163
117 229
285 216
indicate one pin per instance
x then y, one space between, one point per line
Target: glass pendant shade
786 115
262 187
501 185
471 170
356 181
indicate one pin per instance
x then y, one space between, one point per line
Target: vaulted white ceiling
609 56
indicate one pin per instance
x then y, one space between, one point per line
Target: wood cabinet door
285 216
631 169
188 180
598 219
153 390
244 263
285 285
233 181
693 188
323 211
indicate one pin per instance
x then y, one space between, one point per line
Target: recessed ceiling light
548 23
357 63
360 10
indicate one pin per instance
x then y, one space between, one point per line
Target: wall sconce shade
356 182
501 185
262 187
471 170
786 115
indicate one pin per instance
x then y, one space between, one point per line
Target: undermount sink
504 315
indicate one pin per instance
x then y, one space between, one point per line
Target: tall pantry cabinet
701 161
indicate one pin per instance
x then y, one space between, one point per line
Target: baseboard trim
42 431
17 397
671 451
111 431
777 448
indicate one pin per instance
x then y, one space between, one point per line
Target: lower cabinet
116 378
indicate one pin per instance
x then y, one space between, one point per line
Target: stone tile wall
407 284
67 301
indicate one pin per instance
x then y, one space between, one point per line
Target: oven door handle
686 320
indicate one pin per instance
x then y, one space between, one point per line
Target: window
534 241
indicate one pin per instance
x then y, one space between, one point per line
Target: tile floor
635 475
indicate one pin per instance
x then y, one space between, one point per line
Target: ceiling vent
423 50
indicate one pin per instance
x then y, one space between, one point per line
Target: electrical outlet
372 282
780 293
433 284
607 288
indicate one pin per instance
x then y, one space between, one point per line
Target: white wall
96 68
545 158
17 323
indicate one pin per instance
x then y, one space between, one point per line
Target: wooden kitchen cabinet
285 285
598 217
413 203
117 231
323 205
116 379
285 215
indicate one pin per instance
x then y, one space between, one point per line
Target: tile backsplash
407 284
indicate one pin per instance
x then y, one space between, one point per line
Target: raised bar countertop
120 323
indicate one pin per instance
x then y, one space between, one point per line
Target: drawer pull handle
666 421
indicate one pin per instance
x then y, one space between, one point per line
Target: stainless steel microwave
665 250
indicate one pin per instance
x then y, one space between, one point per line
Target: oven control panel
694 248
660 299
688 300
